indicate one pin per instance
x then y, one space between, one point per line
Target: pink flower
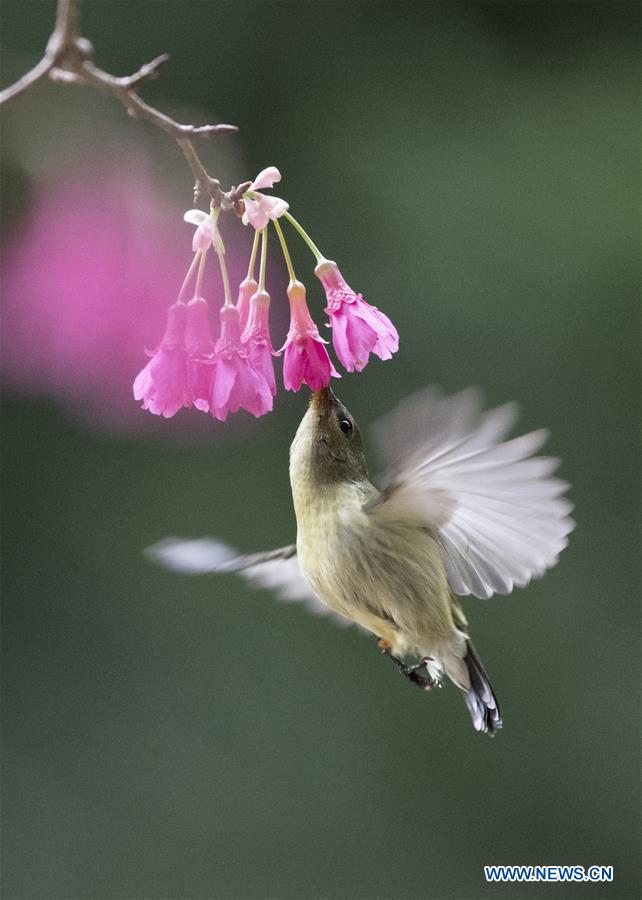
180 370
256 338
236 383
246 288
206 233
259 209
163 383
200 349
358 329
306 359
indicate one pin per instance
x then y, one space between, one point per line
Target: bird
460 511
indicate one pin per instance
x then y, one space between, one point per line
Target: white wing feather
496 508
276 570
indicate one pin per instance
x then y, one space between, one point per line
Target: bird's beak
323 398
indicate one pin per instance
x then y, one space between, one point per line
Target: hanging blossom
170 379
178 373
259 208
163 383
236 384
206 233
200 350
237 372
256 338
305 358
358 329
229 380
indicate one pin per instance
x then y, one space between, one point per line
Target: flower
180 370
236 383
246 288
306 359
163 383
206 233
259 209
200 349
256 338
358 329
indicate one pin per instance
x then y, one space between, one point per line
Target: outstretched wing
496 509
277 570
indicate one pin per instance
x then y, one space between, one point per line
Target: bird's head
327 448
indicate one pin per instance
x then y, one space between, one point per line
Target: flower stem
188 277
226 280
255 247
263 258
217 240
286 252
306 237
198 288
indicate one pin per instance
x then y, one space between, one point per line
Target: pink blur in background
88 278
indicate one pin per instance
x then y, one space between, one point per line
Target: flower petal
292 367
222 384
204 235
340 341
387 335
266 178
318 366
195 216
254 215
307 360
162 385
142 382
200 383
273 207
237 384
260 354
254 393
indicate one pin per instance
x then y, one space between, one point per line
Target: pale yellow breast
321 541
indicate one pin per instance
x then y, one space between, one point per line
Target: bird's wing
277 570
496 509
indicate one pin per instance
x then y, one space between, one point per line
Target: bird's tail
480 698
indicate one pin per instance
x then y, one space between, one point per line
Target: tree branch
28 81
68 59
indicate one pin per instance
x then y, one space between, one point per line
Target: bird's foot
413 671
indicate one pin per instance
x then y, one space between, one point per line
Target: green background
474 168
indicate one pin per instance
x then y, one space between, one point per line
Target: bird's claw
424 681
411 672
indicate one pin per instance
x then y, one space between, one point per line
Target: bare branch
90 74
28 81
148 72
60 44
68 60
67 26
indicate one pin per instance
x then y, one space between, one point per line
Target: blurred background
473 167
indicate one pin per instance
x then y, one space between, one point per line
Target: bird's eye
346 426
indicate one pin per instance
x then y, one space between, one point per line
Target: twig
28 81
68 59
